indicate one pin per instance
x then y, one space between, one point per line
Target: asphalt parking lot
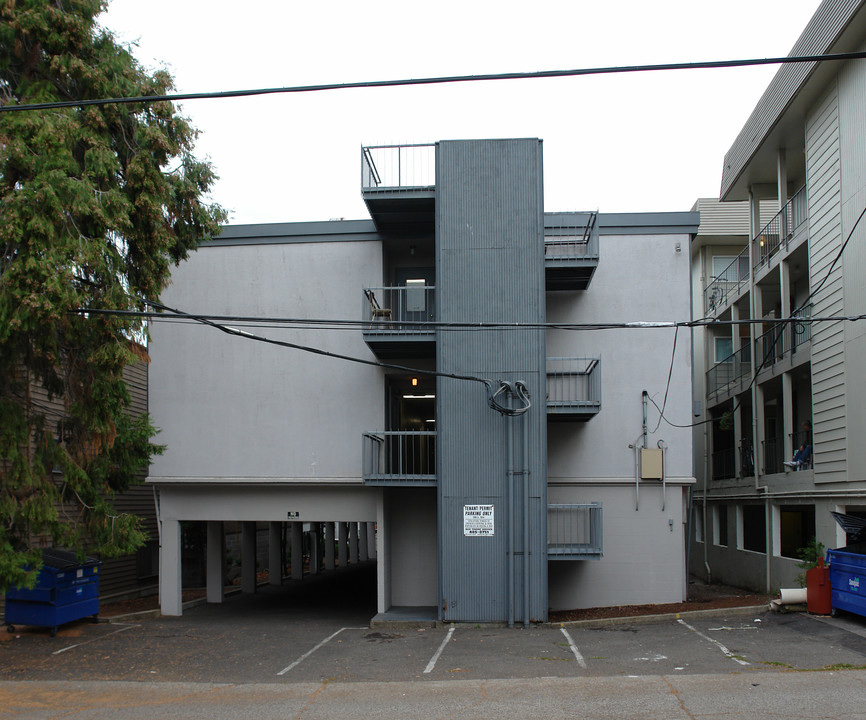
319 632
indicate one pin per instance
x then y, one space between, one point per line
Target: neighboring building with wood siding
801 150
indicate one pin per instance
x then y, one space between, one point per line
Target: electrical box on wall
651 464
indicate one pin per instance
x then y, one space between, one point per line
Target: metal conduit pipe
510 514
525 464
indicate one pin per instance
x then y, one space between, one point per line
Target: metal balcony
398 184
573 388
570 250
778 234
397 320
400 457
574 531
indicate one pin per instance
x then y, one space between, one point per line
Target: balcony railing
571 236
574 531
724 375
398 166
573 385
772 451
778 233
784 338
727 286
723 464
400 310
399 457
780 341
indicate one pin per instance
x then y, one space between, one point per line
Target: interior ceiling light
418 397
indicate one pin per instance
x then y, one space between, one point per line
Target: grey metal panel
490 266
819 36
823 167
651 223
281 233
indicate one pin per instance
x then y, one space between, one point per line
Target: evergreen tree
96 203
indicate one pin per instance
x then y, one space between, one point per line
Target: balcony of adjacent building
570 250
398 185
783 347
784 237
404 454
782 431
398 322
573 388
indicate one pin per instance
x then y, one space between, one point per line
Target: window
754 528
797 528
724 269
720 525
723 349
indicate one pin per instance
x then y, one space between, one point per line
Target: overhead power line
440 80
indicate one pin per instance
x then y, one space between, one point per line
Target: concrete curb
645 619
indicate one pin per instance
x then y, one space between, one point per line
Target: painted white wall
639 277
232 407
644 554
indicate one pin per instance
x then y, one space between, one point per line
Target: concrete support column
248 557
297 551
353 543
315 550
275 553
329 546
782 178
383 575
362 542
371 540
170 598
342 544
215 561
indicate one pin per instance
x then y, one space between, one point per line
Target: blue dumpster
847 581
65 590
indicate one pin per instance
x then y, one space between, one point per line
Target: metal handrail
727 285
399 455
780 230
574 531
574 381
398 166
570 240
405 309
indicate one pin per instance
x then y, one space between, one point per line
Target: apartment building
449 386
777 265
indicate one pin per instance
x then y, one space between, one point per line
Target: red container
818 595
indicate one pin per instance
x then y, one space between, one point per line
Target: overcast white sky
623 143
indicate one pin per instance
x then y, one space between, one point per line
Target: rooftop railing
574 531
398 166
576 238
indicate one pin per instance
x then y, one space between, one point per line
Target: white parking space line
721 647
87 642
310 652
432 663
577 655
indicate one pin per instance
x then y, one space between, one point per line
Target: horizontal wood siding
823 172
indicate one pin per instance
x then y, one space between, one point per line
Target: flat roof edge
295 232
648 223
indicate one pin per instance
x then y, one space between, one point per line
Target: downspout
525 424
510 423
755 217
707 468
